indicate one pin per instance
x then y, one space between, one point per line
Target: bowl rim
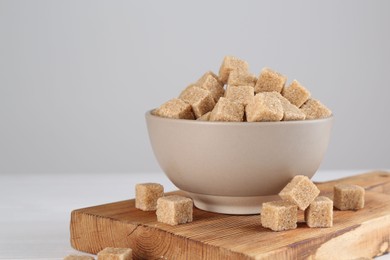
149 114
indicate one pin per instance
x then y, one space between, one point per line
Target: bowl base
231 205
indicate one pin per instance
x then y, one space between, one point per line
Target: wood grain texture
355 234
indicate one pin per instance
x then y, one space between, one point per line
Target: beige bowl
231 167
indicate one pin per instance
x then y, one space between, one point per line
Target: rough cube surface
215 76
175 108
320 213
301 191
111 253
205 117
296 93
209 82
229 64
270 80
79 257
314 109
200 99
146 195
279 215
241 78
174 210
348 197
240 94
227 110
265 106
290 112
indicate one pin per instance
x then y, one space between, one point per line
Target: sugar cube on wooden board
320 213
111 253
348 197
174 210
146 195
279 215
301 191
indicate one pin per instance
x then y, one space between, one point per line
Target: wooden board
355 234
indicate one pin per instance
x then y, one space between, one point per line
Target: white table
35 208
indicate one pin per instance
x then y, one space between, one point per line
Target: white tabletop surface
35 208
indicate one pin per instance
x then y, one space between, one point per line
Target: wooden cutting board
355 234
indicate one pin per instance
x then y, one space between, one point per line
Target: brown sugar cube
265 106
146 195
279 215
205 117
348 197
227 110
209 81
229 64
290 112
174 210
200 99
111 253
215 76
320 213
241 78
296 93
301 191
270 80
240 94
314 109
175 108
79 257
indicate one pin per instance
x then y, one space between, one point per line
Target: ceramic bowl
233 167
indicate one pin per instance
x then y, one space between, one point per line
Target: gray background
76 77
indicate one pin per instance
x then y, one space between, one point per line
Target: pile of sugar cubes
301 193
236 95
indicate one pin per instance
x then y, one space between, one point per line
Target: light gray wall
76 77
